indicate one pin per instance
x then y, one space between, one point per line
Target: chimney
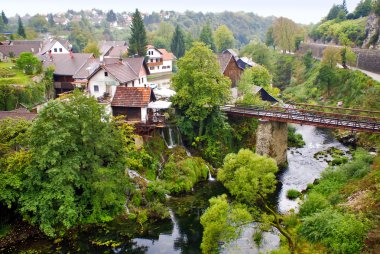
50 55
71 54
101 58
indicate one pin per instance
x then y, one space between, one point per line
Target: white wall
102 82
144 112
57 45
156 54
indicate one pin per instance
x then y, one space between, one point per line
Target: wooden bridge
322 116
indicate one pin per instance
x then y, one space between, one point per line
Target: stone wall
367 59
272 140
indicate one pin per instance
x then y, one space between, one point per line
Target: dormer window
106 74
55 49
60 49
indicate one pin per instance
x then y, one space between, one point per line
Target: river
183 232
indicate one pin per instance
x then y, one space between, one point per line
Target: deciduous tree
92 47
284 33
29 63
137 41
200 87
250 178
207 38
224 38
77 170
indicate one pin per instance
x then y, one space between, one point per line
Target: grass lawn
19 77
156 76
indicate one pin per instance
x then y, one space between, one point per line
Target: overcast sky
301 11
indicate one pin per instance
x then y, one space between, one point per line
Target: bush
341 233
293 194
315 202
294 139
180 176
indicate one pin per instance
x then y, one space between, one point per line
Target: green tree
250 178
14 158
200 88
224 38
207 38
29 63
39 23
20 29
137 41
363 8
92 47
177 45
4 18
284 33
220 222
51 21
347 55
259 53
269 39
256 76
111 16
77 170
331 56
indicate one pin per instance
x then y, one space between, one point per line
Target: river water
183 232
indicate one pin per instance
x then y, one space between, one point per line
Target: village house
13 48
159 60
229 66
65 67
132 102
56 46
113 49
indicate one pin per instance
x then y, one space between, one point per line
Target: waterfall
133 174
210 178
171 136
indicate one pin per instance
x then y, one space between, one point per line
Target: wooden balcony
155 63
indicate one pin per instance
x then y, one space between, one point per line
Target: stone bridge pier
272 140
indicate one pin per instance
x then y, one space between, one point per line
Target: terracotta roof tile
137 97
167 56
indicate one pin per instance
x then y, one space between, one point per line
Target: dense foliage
177 44
201 88
73 169
250 178
325 219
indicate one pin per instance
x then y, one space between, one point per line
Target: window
163 67
106 74
60 49
151 60
142 80
151 68
139 81
133 83
96 88
158 67
168 67
55 49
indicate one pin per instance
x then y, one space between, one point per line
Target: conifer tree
137 41
5 19
207 38
177 45
51 21
20 29
344 6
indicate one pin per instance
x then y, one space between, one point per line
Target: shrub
315 202
293 194
294 139
341 233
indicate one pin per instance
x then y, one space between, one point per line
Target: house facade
130 72
229 67
159 60
132 102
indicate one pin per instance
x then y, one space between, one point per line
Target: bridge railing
302 116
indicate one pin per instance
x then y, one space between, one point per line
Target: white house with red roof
159 60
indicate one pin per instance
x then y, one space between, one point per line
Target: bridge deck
307 117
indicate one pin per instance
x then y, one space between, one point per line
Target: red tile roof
167 56
134 97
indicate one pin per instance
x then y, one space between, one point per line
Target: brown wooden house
229 66
132 102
